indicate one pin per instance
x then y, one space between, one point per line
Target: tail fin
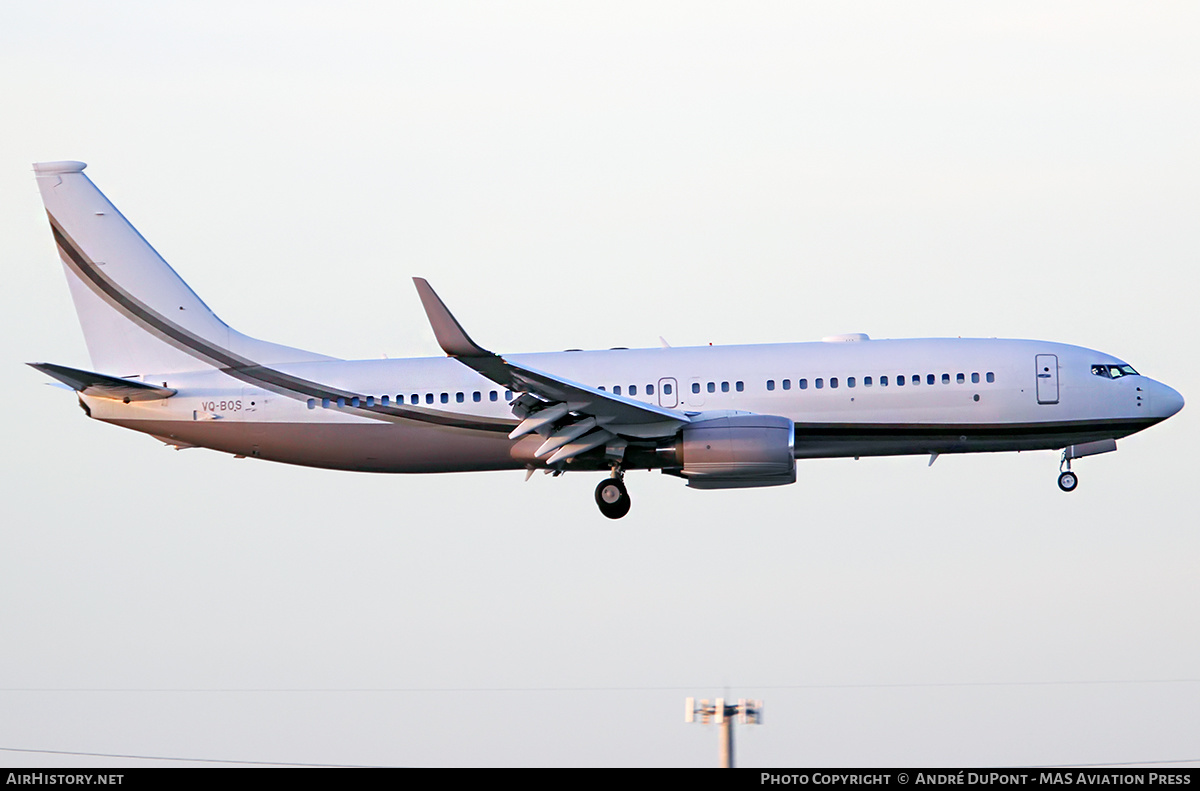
137 314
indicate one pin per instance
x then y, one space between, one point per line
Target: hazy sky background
598 175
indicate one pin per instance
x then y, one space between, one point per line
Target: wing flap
587 442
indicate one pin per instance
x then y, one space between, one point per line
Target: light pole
747 712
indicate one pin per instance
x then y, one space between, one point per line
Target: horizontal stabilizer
103 386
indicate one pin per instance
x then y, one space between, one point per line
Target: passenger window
459 398
384 401
866 381
820 383
650 389
312 403
945 379
991 377
341 402
770 385
695 387
633 390
324 403
354 401
787 384
724 387
900 380
712 387
445 398
429 398
616 390
833 383
416 399
602 388
508 395
930 379
961 379
850 381
370 400
493 396
667 389
477 396
740 386
883 381
974 378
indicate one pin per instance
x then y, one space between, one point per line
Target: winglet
450 335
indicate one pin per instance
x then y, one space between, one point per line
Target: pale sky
568 176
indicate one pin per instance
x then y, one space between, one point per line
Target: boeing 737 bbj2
718 417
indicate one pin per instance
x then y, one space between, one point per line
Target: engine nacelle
737 451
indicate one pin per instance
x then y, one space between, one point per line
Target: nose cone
1167 401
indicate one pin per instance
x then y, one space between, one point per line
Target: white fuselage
846 398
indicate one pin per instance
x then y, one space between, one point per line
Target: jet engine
736 451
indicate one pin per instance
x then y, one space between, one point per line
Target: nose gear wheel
1067 480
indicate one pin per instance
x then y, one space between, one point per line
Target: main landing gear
612 497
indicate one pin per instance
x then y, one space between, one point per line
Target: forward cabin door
1047 378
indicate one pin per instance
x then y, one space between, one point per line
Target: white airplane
719 417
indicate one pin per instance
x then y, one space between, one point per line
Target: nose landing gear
1067 480
612 497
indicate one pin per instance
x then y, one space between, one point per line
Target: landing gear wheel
1067 481
612 498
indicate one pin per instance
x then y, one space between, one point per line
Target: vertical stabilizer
137 314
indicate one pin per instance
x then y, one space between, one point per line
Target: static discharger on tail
719 417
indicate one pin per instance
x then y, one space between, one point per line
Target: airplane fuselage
846 398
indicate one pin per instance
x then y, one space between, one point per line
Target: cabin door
1047 378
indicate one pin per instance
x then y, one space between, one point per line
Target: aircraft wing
572 417
104 386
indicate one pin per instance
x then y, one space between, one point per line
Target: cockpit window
1113 371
